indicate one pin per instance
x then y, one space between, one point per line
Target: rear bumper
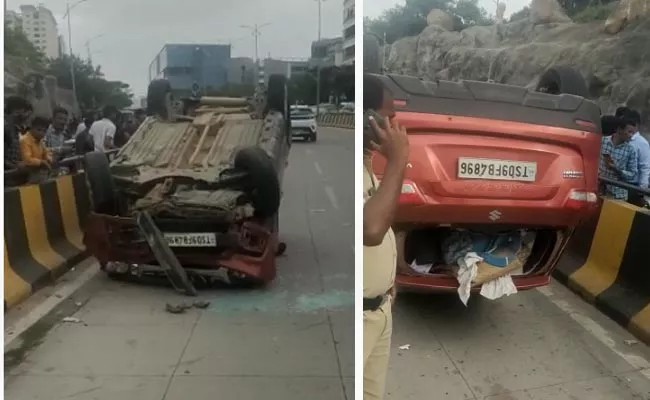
434 284
248 248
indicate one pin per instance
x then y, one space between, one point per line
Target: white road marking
44 308
597 331
318 168
332 196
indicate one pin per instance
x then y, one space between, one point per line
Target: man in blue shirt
619 159
642 148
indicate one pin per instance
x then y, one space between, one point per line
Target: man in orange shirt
35 156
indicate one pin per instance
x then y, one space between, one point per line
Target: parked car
303 123
492 161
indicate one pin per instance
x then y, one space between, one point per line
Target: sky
132 32
374 8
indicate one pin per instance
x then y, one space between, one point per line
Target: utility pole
72 77
88 46
319 59
255 30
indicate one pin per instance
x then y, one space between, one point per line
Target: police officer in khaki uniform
379 252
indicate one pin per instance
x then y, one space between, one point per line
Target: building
328 51
241 71
184 65
272 66
39 26
348 31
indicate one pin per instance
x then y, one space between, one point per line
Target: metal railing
73 164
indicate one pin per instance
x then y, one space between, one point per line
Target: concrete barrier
43 233
607 262
337 120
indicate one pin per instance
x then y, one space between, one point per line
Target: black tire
275 100
262 180
313 137
100 183
563 80
157 96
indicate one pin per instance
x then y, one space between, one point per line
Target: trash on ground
72 320
177 308
201 304
405 347
631 342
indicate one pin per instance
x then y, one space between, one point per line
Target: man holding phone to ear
379 252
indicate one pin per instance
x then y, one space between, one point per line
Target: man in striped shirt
619 160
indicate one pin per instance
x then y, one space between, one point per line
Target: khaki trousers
377 332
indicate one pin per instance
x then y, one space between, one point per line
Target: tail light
580 200
253 237
410 193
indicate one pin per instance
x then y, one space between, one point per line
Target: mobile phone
369 132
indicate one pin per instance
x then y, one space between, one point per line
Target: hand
393 294
394 141
610 163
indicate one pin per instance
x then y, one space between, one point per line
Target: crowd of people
625 155
35 146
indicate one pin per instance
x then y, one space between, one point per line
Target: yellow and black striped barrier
43 233
336 120
607 262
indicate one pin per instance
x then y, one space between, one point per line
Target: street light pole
319 60
72 77
255 30
88 46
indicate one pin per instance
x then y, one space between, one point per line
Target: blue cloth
626 160
642 148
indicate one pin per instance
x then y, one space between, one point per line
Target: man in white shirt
103 131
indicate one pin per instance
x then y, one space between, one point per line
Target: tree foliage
93 90
18 45
574 8
411 18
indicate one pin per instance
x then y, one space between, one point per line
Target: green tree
93 90
18 45
411 18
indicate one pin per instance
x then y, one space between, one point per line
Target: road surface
544 344
294 340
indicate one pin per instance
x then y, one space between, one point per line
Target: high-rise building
348 31
39 26
189 65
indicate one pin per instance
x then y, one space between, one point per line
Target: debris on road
177 308
72 320
201 304
631 342
405 347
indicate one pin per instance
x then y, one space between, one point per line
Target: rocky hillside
614 57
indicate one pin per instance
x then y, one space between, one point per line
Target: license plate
502 170
191 239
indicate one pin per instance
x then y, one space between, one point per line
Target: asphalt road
294 340
544 344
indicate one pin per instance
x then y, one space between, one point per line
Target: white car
303 123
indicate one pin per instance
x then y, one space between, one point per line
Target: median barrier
337 120
607 262
43 233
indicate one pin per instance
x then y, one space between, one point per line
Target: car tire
100 183
313 137
563 80
263 180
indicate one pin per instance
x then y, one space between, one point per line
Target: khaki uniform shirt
379 262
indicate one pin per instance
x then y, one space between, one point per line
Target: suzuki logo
495 215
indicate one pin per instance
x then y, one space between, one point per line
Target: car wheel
313 137
262 181
563 80
100 183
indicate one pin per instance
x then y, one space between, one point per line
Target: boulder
617 68
440 18
547 11
626 11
